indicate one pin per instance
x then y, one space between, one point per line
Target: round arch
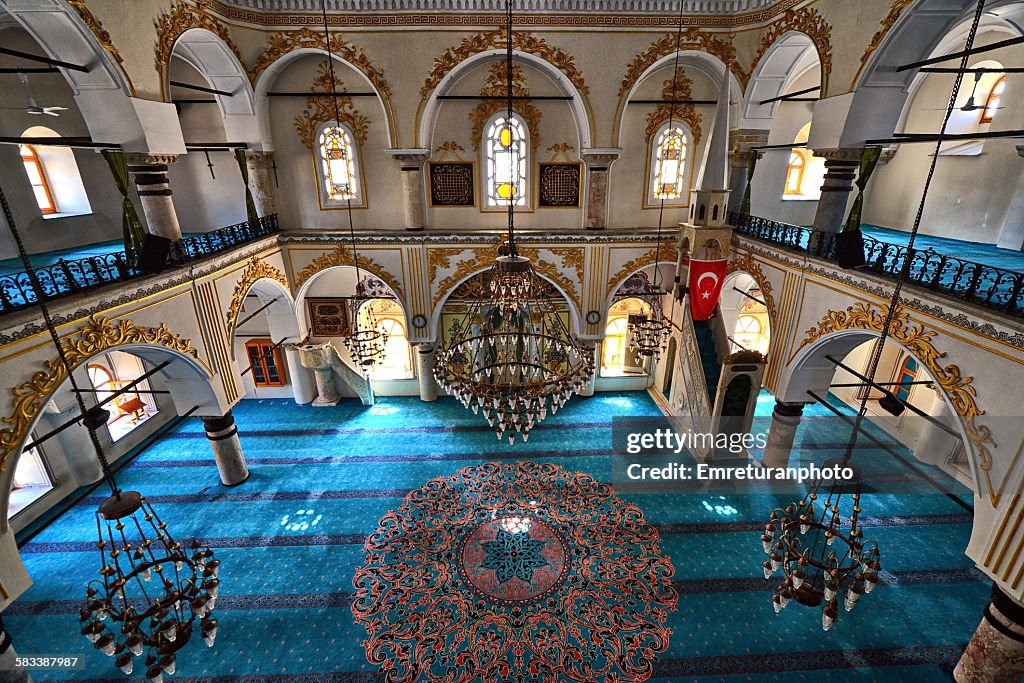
430 106
731 302
619 281
435 316
270 73
783 63
204 51
186 377
349 287
704 62
284 323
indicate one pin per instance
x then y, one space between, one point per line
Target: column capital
743 140
600 156
409 156
840 156
783 409
146 159
259 157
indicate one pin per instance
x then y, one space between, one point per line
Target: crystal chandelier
822 559
365 343
648 334
151 589
512 356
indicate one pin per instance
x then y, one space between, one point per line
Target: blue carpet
989 254
285 605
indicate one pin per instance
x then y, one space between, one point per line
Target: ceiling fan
32 107
971 104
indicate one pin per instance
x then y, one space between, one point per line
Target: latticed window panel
451 184
670 155
559 184
507 162
338 163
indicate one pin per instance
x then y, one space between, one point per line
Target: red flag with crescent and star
706 279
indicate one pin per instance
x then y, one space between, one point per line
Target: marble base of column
227 449
840 172
996 652
425 372
327 394
9 671
782 434
598 164
150 175
261 181
737 186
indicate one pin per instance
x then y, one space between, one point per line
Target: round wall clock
593 318
419 322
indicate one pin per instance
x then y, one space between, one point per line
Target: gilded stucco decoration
895 11
686 113
320 110
808 21
918 341
283 42
692 39
746 263
183 16
102 36
494 40
97 335
668 253
496 85
255 269
341 255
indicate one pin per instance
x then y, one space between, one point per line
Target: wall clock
419 321
593 318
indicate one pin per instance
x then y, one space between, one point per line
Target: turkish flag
706 279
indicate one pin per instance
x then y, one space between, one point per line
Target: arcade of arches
212 230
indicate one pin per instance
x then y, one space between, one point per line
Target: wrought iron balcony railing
67 277
989 286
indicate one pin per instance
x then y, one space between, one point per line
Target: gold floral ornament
320 110
256 269
692 39
808 21
745 262
495 40
497 86
682 88
886 25
95 336
182 17
668 253
918 340
341 255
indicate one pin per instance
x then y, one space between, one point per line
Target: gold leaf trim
320 110
808 21
183 16
256 269
745 262
666 254
490 40
895 11
496 85
340 255
97 335
918 340
692 39
682 88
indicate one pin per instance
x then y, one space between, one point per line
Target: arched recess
261 280
430 105
704 62
666 261
442 299
786 61
269 73
219 65
187 377
733 304
344 285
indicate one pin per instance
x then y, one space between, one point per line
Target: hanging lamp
512 357
152 589
366 343
819 546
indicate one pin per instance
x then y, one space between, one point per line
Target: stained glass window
507 162
992 104
669 164
338 164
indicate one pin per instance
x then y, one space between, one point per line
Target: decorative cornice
493 40
808 21
147 159
691 39
320 110
257 269
183 16
95 336
341 255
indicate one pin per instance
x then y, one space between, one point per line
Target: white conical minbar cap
714 172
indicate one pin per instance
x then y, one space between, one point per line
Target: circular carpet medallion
518 572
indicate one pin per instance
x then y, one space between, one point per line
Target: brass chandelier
512 356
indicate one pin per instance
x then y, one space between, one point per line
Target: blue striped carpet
285 612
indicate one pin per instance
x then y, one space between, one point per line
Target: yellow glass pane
505 137
506 190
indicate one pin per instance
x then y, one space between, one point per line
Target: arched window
616 342
992 103
397 360
795 172
338 167
907 373
131 408
505 148
670 152
102 380
37 176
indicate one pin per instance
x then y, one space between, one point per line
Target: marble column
425 372
598 163
327 393
996 652
413 197
302 380
9 672
741 143
840 172
782 433
261 181
227 449
149 172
